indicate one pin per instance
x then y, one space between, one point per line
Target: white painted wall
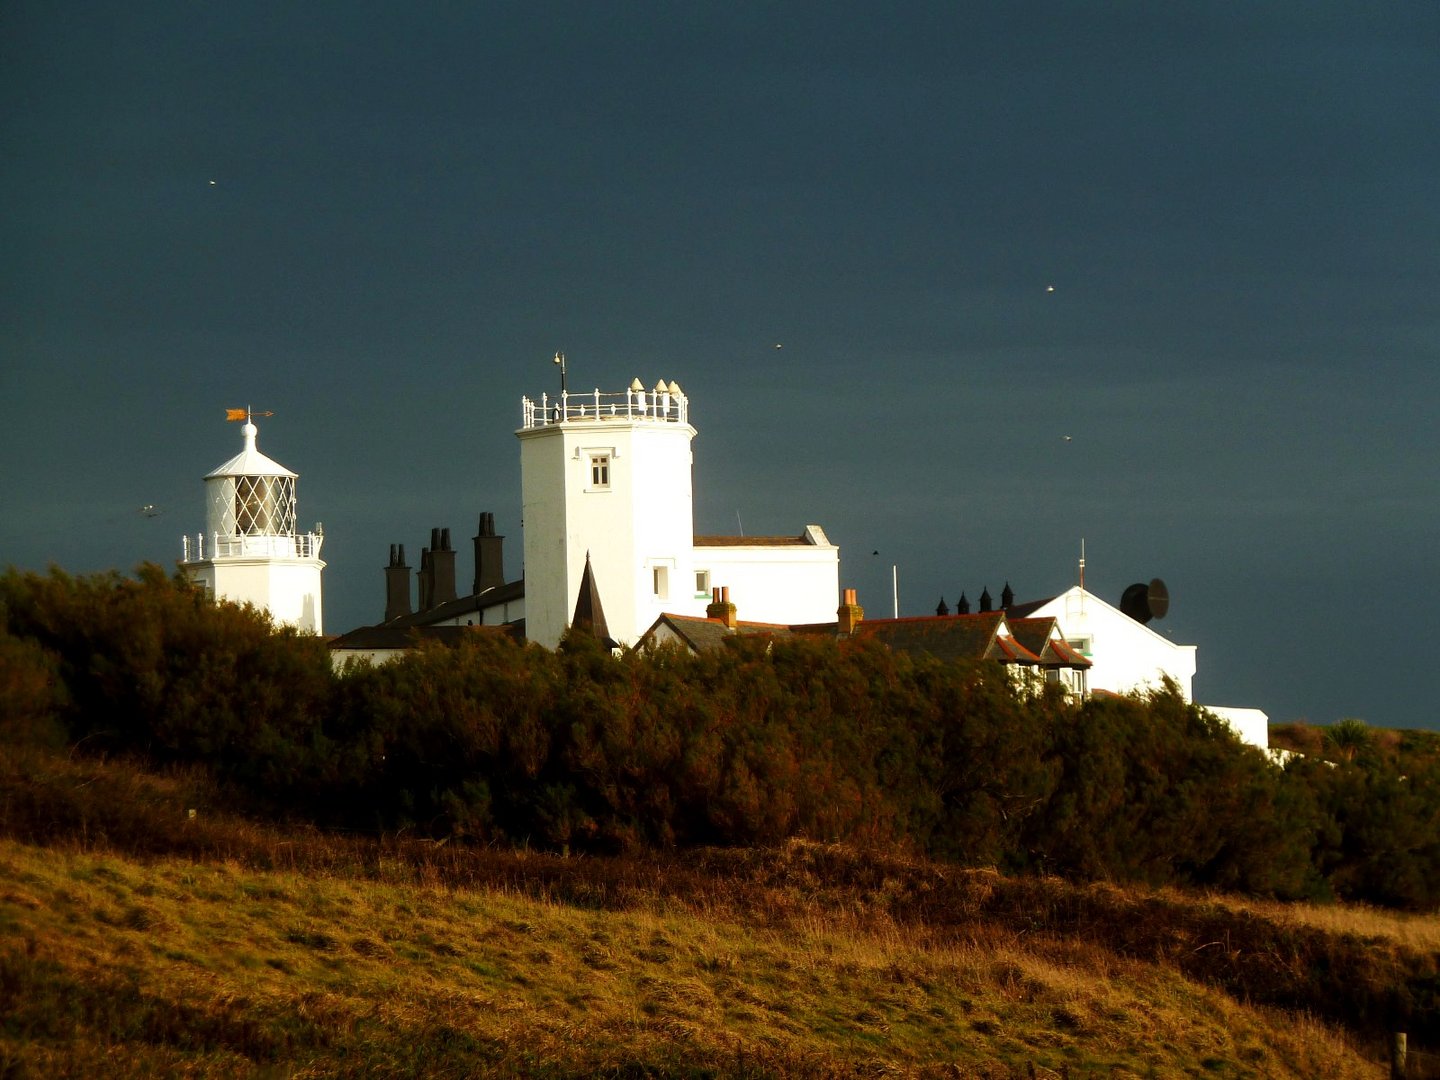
790 583
1125 655
640 522
1251 725
287 588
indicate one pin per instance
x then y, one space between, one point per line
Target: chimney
426 581
489 556
849 615
397 584
442 568
942 608
1007 597
986 604
962 606
721 608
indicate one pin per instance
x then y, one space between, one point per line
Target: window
599 470
662 582
1080 645
702 582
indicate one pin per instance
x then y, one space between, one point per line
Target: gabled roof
1039 636
701 634
944 637
1025 610
949 637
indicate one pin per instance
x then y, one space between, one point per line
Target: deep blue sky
415 205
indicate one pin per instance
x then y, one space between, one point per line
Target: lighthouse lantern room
250 551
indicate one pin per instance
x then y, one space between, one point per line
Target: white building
250 551
608 476
1128 656
1125 655
605 477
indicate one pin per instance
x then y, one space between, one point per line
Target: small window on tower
702 582
599 470
662 582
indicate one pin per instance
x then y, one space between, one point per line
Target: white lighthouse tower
607 476
250 551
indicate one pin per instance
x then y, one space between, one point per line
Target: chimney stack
442 568
849 615
721 608
397 584
426 579
489 556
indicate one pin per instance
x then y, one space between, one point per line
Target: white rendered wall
1250 725
494 615
640 522
790 584
1125 655
288 589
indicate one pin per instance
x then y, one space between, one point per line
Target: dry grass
173 967
1412 931
136 940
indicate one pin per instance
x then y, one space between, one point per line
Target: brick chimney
489 556
425 580
397 584
849 615
721 608
442 568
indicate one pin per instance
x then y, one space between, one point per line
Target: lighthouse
250 551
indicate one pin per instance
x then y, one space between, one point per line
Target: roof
1038 635
949 637
589 613
250 462
703 634
491 597
813 536
394 636
1025 610
751 541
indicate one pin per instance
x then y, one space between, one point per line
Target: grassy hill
137 940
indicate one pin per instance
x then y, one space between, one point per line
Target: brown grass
135 940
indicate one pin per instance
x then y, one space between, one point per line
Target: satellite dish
1158 598
1144 602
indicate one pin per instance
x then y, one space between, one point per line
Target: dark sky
414 205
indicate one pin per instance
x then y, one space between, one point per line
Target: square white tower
608 475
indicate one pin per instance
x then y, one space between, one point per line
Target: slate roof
589 613
1037 635
945 637
1025 610
949 637
394 636
703 634
492 597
